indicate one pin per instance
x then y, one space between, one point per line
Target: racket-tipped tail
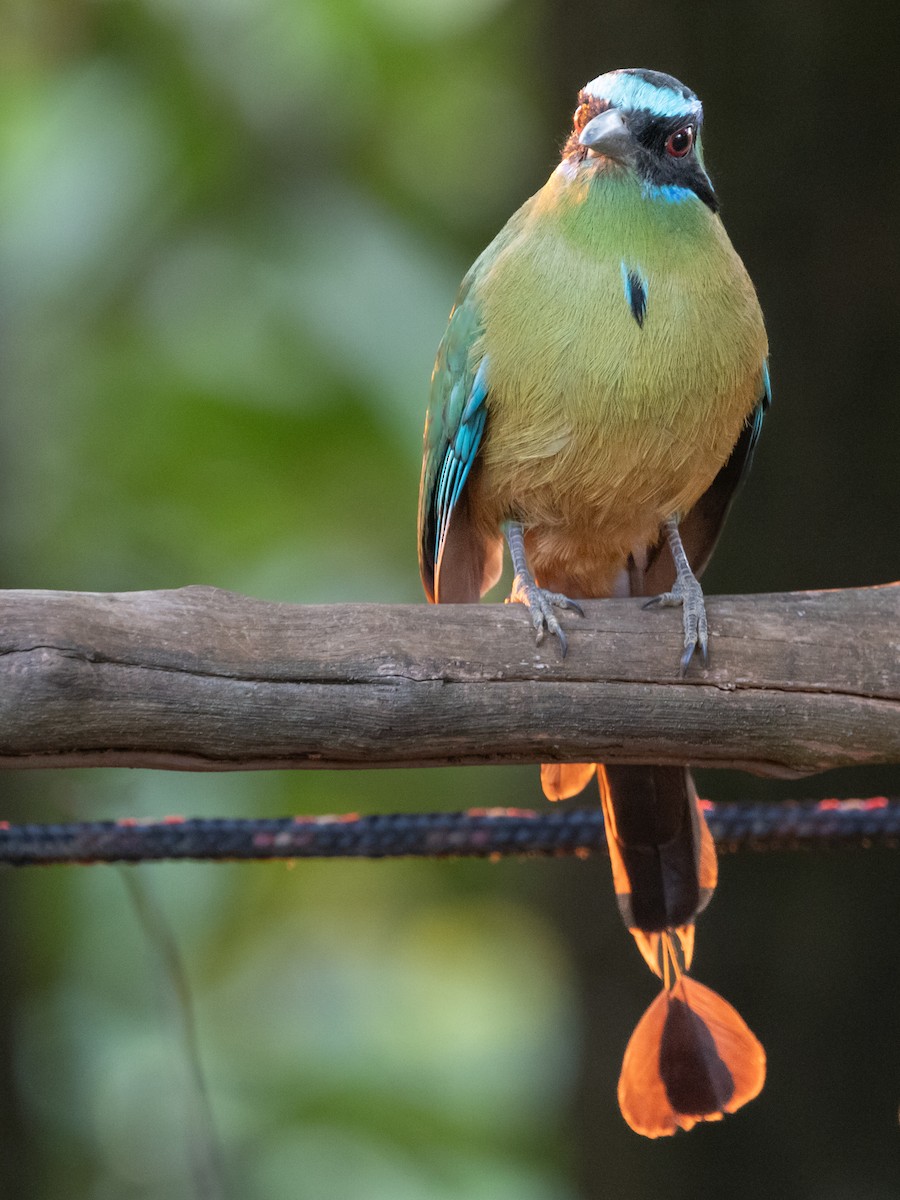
691 1058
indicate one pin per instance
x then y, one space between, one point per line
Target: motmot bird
596 399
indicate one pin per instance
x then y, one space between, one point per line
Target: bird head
646 123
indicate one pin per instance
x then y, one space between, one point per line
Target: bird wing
700 528
453 560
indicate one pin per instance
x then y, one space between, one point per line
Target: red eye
680 142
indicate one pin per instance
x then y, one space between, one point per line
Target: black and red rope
482 833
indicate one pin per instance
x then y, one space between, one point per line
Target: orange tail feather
709 865
691 1058
560 781
676 944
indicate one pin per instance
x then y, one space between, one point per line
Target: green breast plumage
582 396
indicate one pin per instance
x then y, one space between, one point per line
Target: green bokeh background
230 232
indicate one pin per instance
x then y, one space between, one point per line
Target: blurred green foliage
230 232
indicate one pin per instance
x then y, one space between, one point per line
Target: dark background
229 237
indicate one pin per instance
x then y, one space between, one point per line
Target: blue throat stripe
670 192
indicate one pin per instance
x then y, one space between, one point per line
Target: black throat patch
653 165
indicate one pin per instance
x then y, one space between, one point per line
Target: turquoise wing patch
457 413
756 421
460 455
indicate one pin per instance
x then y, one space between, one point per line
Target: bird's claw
687 594
540 604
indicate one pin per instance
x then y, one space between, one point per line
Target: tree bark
201 679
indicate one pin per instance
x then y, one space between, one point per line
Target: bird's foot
688 594
540 604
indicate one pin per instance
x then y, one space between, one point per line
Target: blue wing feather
457 414
459 456
756 422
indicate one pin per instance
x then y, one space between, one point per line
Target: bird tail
691 1057
663 857
662 854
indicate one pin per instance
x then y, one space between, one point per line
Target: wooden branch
200 679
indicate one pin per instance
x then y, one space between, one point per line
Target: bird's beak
607 134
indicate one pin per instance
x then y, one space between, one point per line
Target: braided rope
478 833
